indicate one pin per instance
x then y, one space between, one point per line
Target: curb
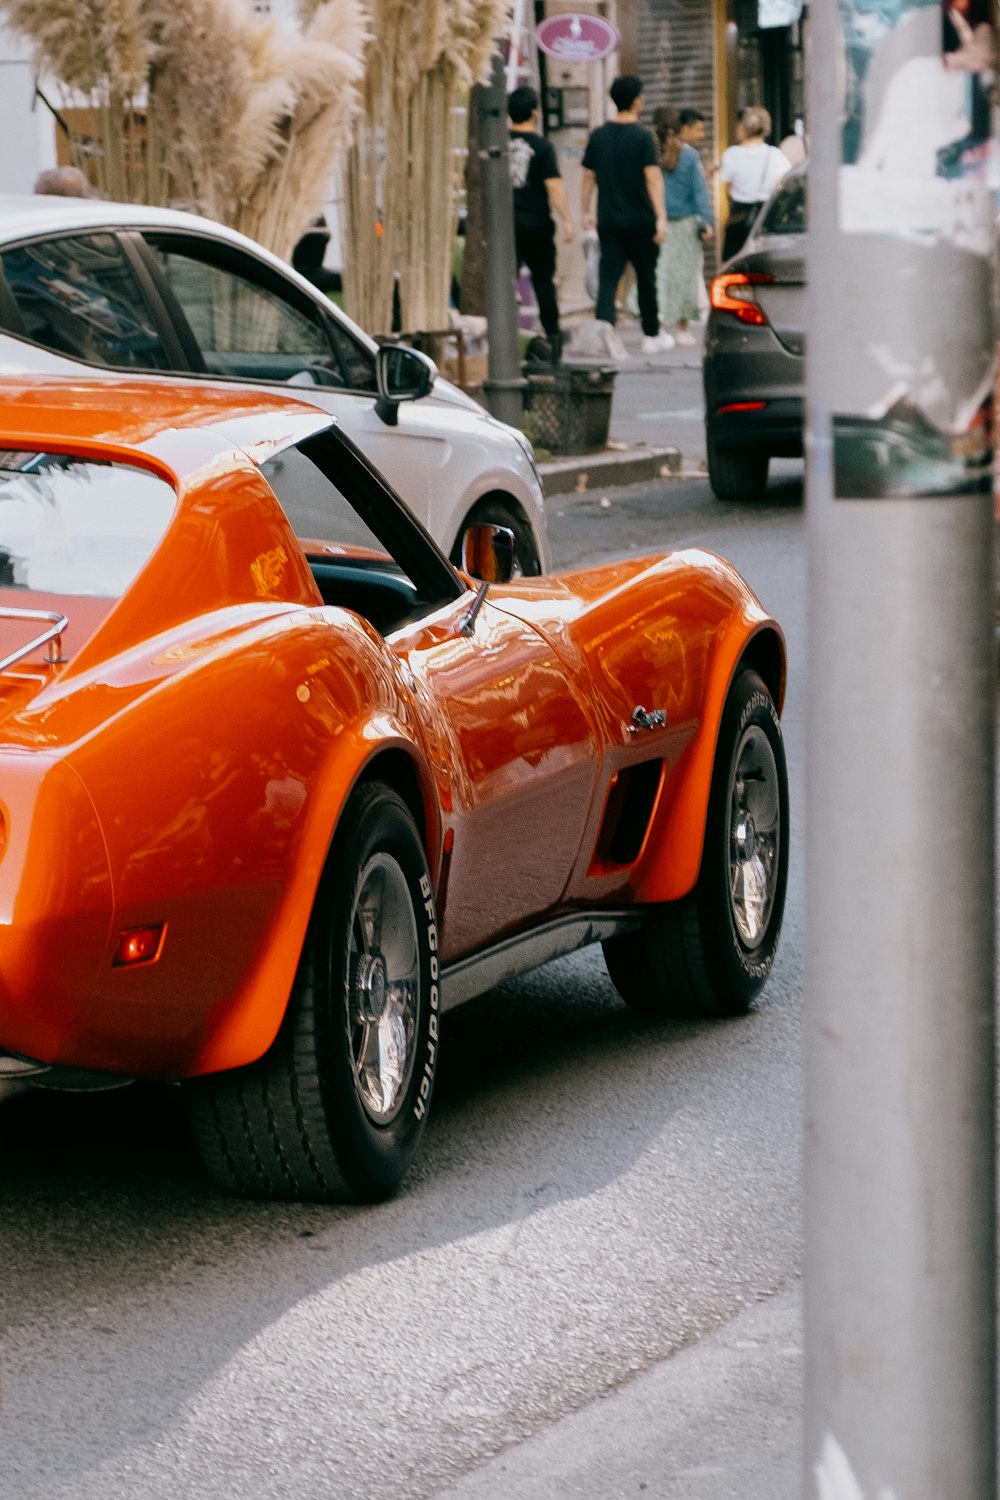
566 476
719 1417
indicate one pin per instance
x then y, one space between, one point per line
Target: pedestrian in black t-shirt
622 163
538 193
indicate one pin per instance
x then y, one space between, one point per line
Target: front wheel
737 473
336 1108
527 558
709 954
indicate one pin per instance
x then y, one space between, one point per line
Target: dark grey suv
755 344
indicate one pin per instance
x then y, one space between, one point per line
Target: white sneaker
657 343
684 340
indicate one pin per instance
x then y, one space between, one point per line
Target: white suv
136 289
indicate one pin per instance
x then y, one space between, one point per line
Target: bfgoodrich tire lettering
336 1108
710 953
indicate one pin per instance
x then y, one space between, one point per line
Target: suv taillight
731 292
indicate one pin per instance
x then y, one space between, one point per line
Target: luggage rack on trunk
57 623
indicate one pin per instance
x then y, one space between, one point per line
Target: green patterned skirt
678 269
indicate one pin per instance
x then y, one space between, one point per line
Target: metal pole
900 1215
505 382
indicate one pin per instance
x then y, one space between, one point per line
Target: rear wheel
710 953
737 473
335 1109
527 559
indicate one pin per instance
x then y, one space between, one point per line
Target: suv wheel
737 473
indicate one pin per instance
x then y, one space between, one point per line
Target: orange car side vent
139 945
627 813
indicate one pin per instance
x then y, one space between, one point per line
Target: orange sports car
269 806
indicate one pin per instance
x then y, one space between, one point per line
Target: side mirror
488 553
401 374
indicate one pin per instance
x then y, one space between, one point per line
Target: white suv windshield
77 526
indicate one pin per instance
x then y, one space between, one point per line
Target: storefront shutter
676 64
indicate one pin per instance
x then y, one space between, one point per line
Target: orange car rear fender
56 902
675 844
240 771
241 1027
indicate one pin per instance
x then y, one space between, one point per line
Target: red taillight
139 945
730 292
744 406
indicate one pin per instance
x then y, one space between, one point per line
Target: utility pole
900 1153
505 383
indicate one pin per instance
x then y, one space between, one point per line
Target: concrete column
900 1209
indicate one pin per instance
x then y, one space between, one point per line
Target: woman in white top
750 170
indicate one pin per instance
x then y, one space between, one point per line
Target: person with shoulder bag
750 170
680 269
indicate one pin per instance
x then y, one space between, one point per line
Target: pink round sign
576 38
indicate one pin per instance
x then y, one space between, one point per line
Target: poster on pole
917 203
778 13
919 78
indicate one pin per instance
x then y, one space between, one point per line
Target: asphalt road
593 1194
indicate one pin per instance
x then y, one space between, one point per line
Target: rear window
77 526
77 294
787 213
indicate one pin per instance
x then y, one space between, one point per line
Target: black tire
527 559
737 473
304 1122
709 954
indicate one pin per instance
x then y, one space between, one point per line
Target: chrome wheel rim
383 988
754 836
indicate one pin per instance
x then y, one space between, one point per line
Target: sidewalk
657 423
720 1420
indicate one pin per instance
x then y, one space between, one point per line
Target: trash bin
570 407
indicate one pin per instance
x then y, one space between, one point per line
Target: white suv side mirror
401 374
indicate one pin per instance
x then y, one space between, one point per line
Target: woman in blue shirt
689 217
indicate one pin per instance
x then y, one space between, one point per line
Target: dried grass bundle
405 166
104 51
479 30
326 64
202 91
262 116
201 104
463 36
87 43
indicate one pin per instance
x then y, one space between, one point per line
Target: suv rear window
77 526
787 213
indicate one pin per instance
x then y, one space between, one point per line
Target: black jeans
536 249
618 247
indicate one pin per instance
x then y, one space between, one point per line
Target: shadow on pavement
129 1285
